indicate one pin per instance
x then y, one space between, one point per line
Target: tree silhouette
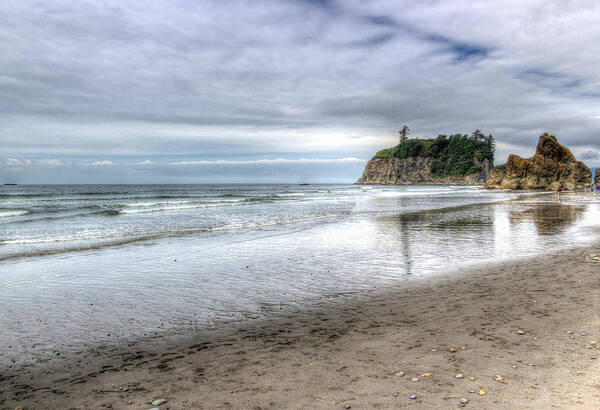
478 135
404 133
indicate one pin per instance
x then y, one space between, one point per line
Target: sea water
90 264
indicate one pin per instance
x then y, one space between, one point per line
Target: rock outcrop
597 177
553 165
416 171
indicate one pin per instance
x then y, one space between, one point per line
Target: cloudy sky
283 91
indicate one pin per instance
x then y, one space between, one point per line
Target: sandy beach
315 204
368 353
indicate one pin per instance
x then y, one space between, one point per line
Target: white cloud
589 155
17 162
103 163
146 162
276 161
49 162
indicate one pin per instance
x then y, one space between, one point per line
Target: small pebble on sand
514 366
395 395
400 374
19 408
459 376
570 332
583 334
481 393
463 401
520 332
593 343
453 350
158 402
472 378
499 378
425 374
414 379
412 396
347 406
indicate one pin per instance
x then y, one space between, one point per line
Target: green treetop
455 155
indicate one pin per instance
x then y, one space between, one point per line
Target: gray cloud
592 155
134 81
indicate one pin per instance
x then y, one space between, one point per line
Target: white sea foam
10 214
159 203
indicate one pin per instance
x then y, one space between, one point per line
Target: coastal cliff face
597 177
416 171
553 165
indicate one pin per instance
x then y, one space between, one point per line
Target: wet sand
351 352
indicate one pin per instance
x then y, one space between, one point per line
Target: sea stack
553 165
597 177
454 160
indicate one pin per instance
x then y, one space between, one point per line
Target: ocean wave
12 213
116 209
145 204
287 194
117 239
214 204
110 212
158 209
20 195
99 193
133 209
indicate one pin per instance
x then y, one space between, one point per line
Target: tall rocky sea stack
417 171
553 165
457 160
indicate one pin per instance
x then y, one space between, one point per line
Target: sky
199 91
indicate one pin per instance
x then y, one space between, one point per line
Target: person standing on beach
597 189
558 191
592 189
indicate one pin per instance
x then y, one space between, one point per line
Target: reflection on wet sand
549 219
428 240
463 218
405 235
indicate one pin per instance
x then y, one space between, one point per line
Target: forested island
456 159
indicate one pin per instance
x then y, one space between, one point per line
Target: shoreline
333 355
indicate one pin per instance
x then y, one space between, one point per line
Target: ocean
85 265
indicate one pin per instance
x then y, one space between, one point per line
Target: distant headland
457 159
